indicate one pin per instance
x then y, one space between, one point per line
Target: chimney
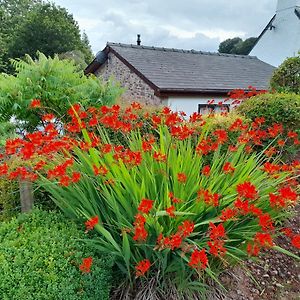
138 42
286 4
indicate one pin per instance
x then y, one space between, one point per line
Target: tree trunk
26 196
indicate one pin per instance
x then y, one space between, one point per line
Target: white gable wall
190 104
282 41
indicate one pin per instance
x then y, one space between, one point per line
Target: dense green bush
286 77
9 199
40 258
275 108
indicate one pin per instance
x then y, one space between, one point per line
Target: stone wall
135 88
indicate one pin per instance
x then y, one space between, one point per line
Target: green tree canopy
286 77
28 26
237 46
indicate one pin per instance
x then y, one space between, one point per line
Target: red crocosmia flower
100 171
265 222
136 105
75 177
159 157
271 168
91 223
276 200
48 117
86 265
186 228
35 103
292 134
247 190
270 152
38 166
232 148
288 194
253 249
281 143
287 231
208 197
198 260
221 135
228 214
242 206
181 177
140 233
142 267
106 148
170 211
145 205
146 146
263 239
206 170
3 169
228 168
216 232
65 180
93 122
296 241
216 247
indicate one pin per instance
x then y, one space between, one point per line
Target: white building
184 80
281 37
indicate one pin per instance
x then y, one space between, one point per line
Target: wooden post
26 196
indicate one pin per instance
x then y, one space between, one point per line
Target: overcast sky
188 24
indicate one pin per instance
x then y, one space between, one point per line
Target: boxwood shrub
275 108
40 254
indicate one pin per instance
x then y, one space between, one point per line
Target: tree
286 77
28 26
237 46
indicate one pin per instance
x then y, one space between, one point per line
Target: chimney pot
138 42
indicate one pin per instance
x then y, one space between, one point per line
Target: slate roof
176 70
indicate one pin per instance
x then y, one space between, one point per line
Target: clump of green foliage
40 258
275 108
57 83
286 77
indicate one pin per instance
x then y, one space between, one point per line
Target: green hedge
9 199
275 108
40 256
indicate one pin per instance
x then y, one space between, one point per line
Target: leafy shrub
56 83
9 199
166 216
40 258
286 77
275 108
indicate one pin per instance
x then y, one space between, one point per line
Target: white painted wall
190 104
282 41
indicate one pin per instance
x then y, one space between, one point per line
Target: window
205 109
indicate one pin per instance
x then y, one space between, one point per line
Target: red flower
91 223
288 194
265 222
247 190
64 180
145 205
142 267
206 170
35 103
228 168
181 177
48 117
186 228
75 177
296 241
140 233
221 135
264 239
216 247
3 169
216 232
253 249
170 211
100 171
198 259
271 168
228 214
159 157
85 267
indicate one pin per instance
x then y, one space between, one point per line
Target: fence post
26 196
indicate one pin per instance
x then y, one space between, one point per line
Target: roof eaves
263 32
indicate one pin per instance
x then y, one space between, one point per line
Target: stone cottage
184 80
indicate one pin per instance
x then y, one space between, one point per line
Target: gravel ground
275 277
